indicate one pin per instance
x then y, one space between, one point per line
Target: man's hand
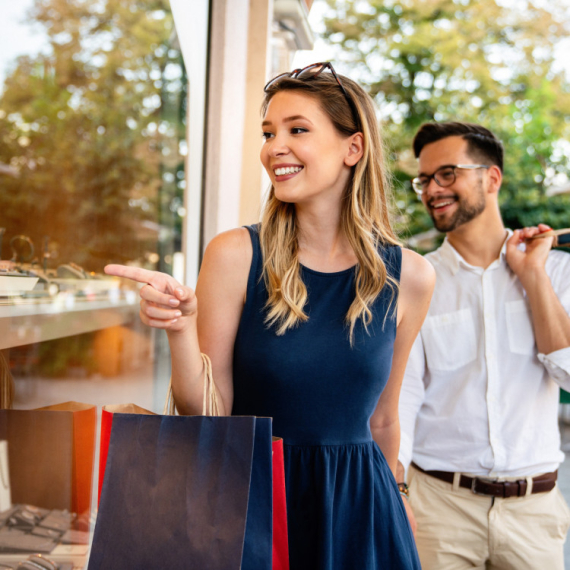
411 517
550 321
165 303
529 263
400 476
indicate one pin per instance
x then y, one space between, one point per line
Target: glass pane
93 101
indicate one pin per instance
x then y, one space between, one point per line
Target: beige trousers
459 530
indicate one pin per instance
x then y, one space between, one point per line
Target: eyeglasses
312 72
444 176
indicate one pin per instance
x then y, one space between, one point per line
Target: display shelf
30 320
72 557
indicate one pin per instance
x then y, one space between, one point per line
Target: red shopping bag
280 549
280 543
106 425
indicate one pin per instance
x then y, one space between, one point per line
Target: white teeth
442 204
287 170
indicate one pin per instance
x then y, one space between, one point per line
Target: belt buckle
515 488
474 482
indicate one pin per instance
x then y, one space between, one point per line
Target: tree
93 127
470 60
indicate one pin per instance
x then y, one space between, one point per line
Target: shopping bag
105 435
178 492
258 540
50 454
280 537
210 407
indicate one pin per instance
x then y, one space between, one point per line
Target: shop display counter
27 320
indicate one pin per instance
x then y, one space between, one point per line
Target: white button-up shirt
477 397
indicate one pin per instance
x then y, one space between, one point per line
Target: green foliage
92 125
468 60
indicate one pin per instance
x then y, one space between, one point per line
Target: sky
17 37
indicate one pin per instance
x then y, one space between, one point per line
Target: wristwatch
404 490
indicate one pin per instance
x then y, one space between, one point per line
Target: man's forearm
551 323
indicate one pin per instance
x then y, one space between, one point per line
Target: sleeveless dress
344 508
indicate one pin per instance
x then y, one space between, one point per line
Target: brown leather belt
503 489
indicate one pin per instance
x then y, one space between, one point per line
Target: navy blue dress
344 507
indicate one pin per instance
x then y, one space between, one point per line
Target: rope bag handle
210 405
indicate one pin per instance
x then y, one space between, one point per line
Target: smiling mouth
442 204
286 170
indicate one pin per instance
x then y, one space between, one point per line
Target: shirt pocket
449 340
519 327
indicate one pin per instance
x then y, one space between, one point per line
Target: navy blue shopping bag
187 492
258 543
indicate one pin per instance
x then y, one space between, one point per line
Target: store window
93 106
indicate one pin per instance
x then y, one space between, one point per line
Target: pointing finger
159 281
135 273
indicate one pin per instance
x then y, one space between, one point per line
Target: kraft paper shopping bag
50 454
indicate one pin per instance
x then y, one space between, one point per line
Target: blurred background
130 133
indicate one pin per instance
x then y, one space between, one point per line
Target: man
480 397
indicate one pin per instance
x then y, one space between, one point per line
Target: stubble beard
465 212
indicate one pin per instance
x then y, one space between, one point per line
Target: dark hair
482 144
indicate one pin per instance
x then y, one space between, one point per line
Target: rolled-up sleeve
557 364
411 398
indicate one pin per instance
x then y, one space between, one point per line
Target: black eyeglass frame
297 73
420 183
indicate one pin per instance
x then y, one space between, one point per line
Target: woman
309 318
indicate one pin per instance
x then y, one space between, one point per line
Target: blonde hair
365 216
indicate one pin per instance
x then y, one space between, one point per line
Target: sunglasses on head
312 72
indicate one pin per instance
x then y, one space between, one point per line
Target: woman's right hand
165 303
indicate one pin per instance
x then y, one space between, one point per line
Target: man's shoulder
433 255
437 257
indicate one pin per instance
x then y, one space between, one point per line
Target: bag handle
210 406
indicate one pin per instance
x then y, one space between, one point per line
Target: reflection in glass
92 129
92 150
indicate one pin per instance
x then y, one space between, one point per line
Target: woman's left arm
417 281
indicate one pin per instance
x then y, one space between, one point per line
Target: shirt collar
454 260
